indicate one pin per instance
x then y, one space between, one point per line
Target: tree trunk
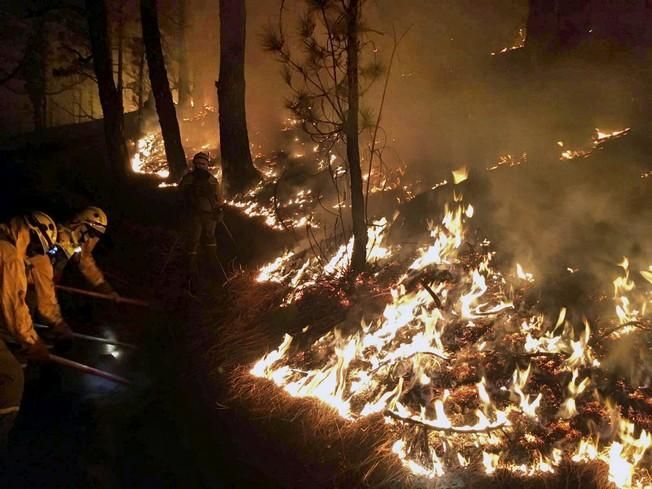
110 98
121 33
35 73
158 77
182 58
141 88
359 257
237 167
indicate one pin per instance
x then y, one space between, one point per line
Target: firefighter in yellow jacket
21 238
76 242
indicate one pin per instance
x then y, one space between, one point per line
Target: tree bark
110 98
35 74
140 84
182 58
158 77
237 167
359 256
121 32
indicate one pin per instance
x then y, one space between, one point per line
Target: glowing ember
509 161
519 42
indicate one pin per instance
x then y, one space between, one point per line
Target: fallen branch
642 325
432 293
451 429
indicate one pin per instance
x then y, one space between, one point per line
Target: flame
149 156
460 175
522 274
602 135
299 270
599 137
630 305
384 365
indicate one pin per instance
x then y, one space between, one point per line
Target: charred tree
351 129
110 97
237 166
35 73
161 89
138 59
121 35
184 86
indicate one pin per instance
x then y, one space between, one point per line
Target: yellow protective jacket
15 319
42 275
82 254
87 265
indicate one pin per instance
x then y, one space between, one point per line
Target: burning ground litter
468 376
447 363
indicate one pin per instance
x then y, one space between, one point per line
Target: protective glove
105 288
37 352
62 336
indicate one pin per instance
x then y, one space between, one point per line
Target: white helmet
93 217
43 227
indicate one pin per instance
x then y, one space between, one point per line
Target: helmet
92 217
201 160
43 227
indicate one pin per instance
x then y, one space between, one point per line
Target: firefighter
203 208
22 237
77 240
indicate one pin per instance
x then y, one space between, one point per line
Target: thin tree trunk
359 256
110 98
35 74
237 167
121 29
141 88
158 77
182 58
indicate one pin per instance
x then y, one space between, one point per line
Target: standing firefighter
21 238
203 207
